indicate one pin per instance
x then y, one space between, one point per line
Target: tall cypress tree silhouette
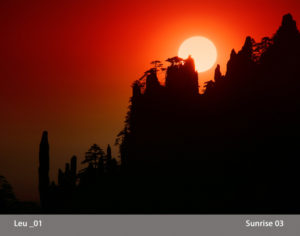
44 170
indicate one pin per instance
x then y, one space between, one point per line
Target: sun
201 49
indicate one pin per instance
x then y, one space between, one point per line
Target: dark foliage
9 204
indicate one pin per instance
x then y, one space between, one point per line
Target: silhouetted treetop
7 196
93 156
157 64
261 47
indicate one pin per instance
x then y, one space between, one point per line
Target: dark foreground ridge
232 149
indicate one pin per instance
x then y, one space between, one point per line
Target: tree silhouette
261 47
157 65
94 156
175 61
7 196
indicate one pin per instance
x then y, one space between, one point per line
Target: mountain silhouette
232 149
237 142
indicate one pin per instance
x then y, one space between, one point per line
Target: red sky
67 67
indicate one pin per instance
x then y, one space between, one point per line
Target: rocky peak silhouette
152 83
182 78
185 152
248 89
218 75
247 49
287 31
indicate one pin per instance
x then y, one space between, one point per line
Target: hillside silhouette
235 146
232 149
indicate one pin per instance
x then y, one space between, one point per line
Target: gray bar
149 225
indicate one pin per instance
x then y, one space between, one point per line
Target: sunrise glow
201 49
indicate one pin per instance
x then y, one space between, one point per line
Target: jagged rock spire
247 49
152 83
288 21
182 78
218 74
287 31
190 63
44 169
232 54
136 89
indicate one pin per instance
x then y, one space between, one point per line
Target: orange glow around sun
201 49
68 66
